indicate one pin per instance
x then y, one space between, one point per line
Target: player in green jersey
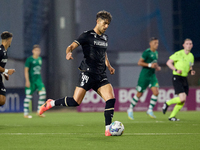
181 63
33 80
147 77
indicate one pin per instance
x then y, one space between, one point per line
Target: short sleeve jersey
94 47
3 56
182 61
34 66
149 57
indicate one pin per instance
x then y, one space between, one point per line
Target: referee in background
181 63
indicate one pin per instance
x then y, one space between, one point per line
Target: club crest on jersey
95 35
104 37
40 62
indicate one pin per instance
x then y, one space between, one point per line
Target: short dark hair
5 35
152 39
187 39
36 46
104 15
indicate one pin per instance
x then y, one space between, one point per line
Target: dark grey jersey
3 56
94 48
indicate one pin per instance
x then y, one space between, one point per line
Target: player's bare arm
111 69
170 64
26 74
142 63
7 71
69 50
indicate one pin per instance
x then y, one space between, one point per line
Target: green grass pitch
85 131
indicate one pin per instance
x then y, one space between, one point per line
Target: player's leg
143 83
28 98
134 102
180 86
42 98
153 102
178 106
2 92
155 90
74 101
2 100
84 84
106 92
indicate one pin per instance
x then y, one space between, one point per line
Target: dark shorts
2 88
93 81
180 84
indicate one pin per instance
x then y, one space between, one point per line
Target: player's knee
139 94
156 93
183 100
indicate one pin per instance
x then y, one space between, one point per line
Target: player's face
154 44
102 25
187 45
36 52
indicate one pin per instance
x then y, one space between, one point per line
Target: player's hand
69 56
11 71
154 65
179 71
193 72
6 76
158 68
27 84
112 70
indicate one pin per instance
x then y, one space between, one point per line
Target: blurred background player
93 69
147 77
6 38
181 63
33 80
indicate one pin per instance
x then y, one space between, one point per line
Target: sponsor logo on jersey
4 60
3 89
100 43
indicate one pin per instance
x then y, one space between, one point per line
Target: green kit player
147 77
33 80
181 63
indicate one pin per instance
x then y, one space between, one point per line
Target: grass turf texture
85 131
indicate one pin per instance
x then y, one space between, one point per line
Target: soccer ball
116 128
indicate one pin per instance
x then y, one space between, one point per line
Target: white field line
97 133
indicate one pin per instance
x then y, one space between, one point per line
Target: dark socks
66 101
109 111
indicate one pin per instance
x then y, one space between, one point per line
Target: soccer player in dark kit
93 66
6 38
